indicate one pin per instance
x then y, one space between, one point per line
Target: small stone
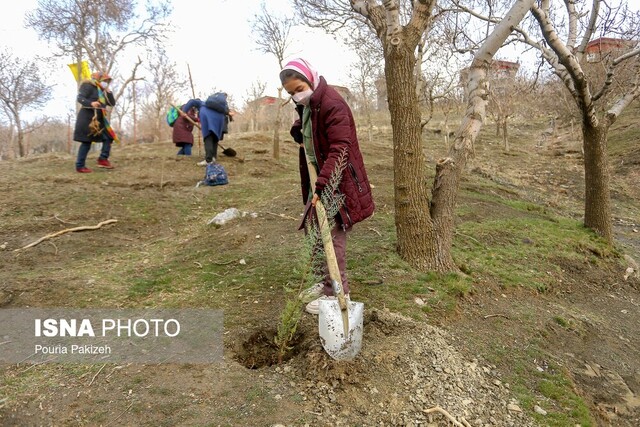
419 301
242 261
3 246
258 236
513 407
539 410
277 397
624 311
145 261
497 383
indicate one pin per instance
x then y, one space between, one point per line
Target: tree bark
417 241
276 130
21 147
505 136
449 170
597 209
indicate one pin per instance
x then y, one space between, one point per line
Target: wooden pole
135 118
193 94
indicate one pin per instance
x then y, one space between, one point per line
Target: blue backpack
215 175
218 102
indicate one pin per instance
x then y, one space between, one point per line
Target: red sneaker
83 170
104 163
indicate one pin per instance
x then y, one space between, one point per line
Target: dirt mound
404 369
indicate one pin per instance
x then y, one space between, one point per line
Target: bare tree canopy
272 36
21 88
162 86
272 33
593 47
99 30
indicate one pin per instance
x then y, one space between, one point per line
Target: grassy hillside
519 242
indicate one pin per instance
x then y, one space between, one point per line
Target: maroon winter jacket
182 129
333 131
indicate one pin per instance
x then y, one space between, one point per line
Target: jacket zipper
355 177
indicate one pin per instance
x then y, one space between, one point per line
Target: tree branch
566 58
589 30
573 24
625 100
392 17
611 71
131 78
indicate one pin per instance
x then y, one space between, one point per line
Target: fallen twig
376 231
488 316
282 216
198 264
62 221
224 263
97 373
121 414
455 422
54 245
468 237
55 216
67 230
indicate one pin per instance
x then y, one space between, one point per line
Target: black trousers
211 147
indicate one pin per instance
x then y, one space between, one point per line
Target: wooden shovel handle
327 240
186 116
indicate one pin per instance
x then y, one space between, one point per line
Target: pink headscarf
305 68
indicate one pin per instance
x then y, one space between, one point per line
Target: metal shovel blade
330 327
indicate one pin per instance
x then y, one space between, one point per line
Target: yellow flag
85 73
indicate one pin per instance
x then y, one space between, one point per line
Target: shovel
339 322
230 152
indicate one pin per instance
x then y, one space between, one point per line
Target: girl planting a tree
327 132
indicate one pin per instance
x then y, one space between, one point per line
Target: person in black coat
91 123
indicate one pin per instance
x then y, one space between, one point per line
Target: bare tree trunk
505 136
22 149
449 170
69 137
135 116
276 130
417 241
597 210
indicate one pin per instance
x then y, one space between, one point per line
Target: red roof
607 44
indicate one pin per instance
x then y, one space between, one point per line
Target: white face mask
302 97
104 84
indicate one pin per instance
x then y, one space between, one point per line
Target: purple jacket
334 130
182 129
